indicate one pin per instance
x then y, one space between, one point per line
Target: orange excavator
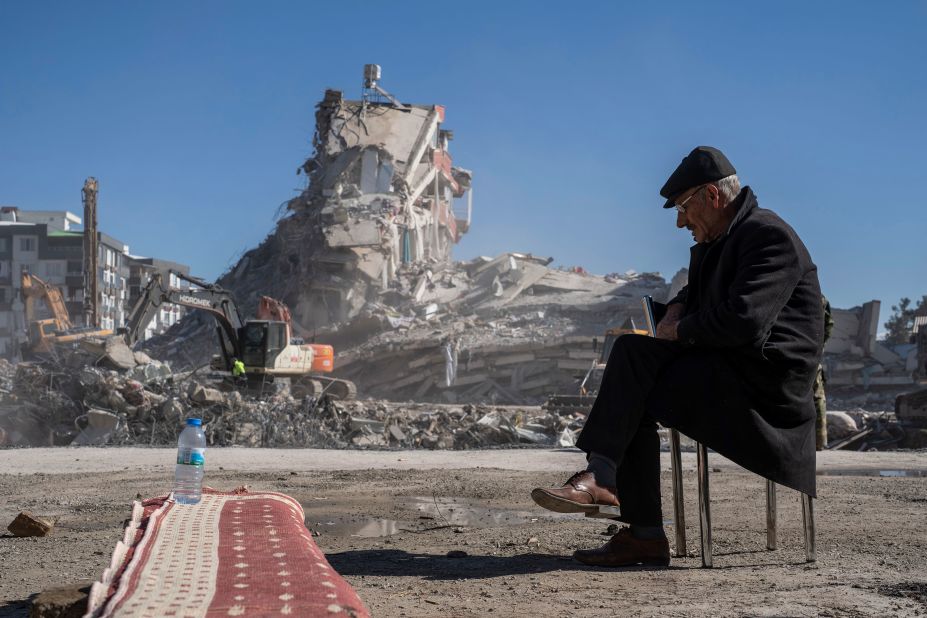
265 345
44 334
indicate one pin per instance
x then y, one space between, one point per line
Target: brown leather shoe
580 494
625 550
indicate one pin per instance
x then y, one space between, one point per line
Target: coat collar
745 203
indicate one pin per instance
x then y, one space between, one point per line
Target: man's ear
715 195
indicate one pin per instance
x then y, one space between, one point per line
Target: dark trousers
623 424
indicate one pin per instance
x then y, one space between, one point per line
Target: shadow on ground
396 562
16 609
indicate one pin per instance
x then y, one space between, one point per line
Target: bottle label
191 456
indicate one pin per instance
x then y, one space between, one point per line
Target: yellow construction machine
592 380
44 334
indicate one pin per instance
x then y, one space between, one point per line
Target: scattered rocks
26 524
203 395
117 354
63 602
840 425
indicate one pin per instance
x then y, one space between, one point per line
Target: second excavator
45 334
265 345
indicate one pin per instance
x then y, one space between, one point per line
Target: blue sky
194 117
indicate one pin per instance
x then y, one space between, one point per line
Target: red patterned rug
233 554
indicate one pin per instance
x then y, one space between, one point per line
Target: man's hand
666 329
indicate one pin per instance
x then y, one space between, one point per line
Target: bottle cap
194 422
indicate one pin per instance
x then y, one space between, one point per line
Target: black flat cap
704 164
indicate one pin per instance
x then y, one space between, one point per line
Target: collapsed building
382 196
854 357
363 258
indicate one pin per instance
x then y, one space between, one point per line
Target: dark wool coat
753 296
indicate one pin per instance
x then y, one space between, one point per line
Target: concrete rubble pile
515 332
859 430
88 398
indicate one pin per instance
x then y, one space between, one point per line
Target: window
4 245
2 295
27 243
75 267
54 269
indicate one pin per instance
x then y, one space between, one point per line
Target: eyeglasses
682 207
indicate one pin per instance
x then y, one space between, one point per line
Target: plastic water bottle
188 476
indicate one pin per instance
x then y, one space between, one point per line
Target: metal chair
704 506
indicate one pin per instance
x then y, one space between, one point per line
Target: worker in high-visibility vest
238 370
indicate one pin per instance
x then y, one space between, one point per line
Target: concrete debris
61 602
100 425
203 395
440 334
854 357
478 347
865 431
840 425
27 524
60 403
117 354
50 404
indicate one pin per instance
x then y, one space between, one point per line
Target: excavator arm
32 288
208 297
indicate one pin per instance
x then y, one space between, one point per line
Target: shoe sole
546 500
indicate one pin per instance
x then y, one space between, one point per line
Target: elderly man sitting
732 365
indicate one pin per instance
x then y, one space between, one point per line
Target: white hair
728 188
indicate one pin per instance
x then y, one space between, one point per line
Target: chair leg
679 507
770 515
807 515
704 506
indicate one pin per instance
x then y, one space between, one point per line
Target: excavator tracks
318 386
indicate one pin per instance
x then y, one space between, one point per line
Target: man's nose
680 219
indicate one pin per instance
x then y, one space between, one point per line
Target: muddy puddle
427 513
871 472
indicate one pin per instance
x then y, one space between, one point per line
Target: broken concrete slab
357 234
141 358
100 425
204 395
117 354
840 425
61 602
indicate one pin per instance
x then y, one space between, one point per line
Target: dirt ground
456 534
